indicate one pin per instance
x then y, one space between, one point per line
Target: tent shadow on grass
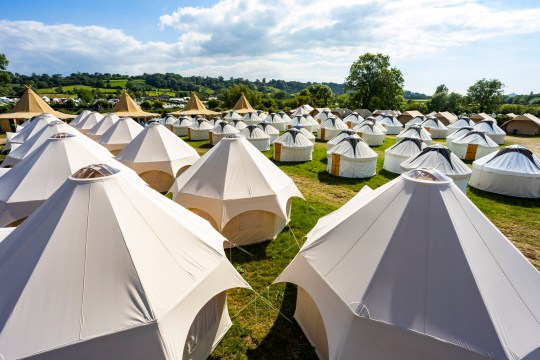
256 252
284 340
516 201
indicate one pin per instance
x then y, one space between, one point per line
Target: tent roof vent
94 171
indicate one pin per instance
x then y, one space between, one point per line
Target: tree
485 95
5 78
373 83
230 96
439 99
321 95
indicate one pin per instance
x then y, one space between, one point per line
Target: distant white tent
442 159
492 130
25 187
391 124
370 133
417 120
79 117
305 122
351 158
169 121
337 139
88 122
182 126
401 151
322 116
232 115
261 114
200 130
221 130
269 130
238 124
435 128
239 190
461 122
414 271
257 137
33 126
284 116
120 134
251 118
293 146
330 127
353 119
375 121
215 120
473 145
512 171
309 135
302 110
101 127
106 269
158 156
277 121
457 134
416 132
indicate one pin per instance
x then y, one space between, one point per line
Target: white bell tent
277 121
293 146
337 139
435 128
182 126
416 132
352 158
457 134
370 133
473 145
269 130
88 122
120 134
257 137
200 130
492 130
401 151
101 127
330 127
461 122
220 130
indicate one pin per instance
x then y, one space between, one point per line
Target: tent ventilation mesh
425 175
62 135
95 171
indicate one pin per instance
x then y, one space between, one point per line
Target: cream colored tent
181 128
304 122
169 121
252 118
351 158
32 127
481 116
28 106
414 271
79 117
306 133
36 177
126 107
194 107
102 126
108 269
391 124
232 115
376 122
418 120
461 122
243 106
323 115
512 171
277 121
158 156
409 115
353 119
401 151
269 130
330 127
200 130
492 130
442 159
238 124
337 139
88 122
284 117
120 134
221 130
293 146
455 135
302 110
370 133
257 137
239 190
435 128
526 124
473 145
416 132
446 117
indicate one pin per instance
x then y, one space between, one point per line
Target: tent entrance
323 133
309 318
277 151
336 159
359 133
471 152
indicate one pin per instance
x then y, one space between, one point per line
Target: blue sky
454 42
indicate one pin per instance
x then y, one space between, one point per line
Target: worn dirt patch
531 143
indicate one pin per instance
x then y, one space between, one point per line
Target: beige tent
409 115
481 116
446 117
195 107
29 105
239 190
526 124
109 269
120 134
414 271
127 107
243 106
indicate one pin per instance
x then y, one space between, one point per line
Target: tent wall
310 320
294 154
351 168
158 180
180 130
471 151
393 162
195 134
260 144
252 227
506 184
522 127
206 216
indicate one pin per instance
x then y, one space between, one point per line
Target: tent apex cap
427 176
62 135
93 172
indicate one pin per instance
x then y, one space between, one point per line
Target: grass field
263 324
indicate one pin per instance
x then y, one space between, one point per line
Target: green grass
264 328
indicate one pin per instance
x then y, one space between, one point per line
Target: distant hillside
414 95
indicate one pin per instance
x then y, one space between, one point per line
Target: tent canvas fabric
200 130
446 117
305 122
36 177
391 124
473 145
269 130
238 124
462 122
526 124
512 171
464 292
252 118
79 117
126 107
243 106
371 134
330 127
353 119
416 132
239 190
140 271
293 146
480 116
88 122
120 134
221 130
257 137
33 127
181 128
232 115
102 126
435 127
492 130
409 115
277 121
352 158
401 151
323 115
442 159
158 156
457 134
337 139
417 120
306 133
194 107
284 116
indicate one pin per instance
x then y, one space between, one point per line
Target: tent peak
427 175
95 171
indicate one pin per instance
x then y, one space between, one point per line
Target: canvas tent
330 127
102 126
257 137
512 171
120 135
353 119
442 159
182 126
293 146
473 145
252 118
302 110
195 107
28 106
480 116
88 122
401 151
243 106
169 121
13 140
286 118
269 130
239 190
306 122
491 129
36 177
351 158
446 117
200 130
277 121
158 156
391 124
370 133
232 115
374 283
238 124
126 107
435 128
526 124
306 133
323 115
416 132
337 139
221 130
461 122
417 120
455 135
108 270
79 117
